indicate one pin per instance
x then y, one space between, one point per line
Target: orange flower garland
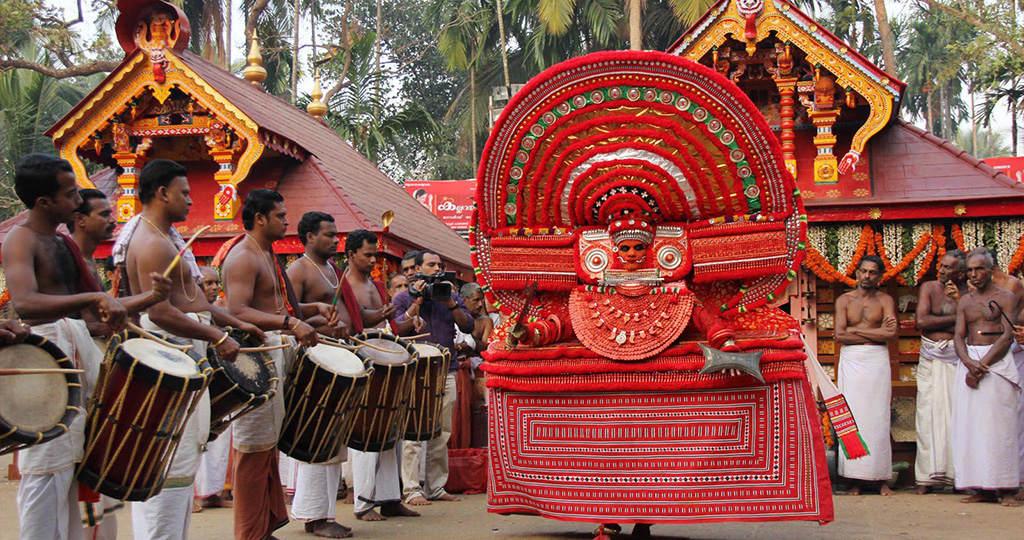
958 237
867 238
5 297
1017 262
885 257
926 264
909 258
819 265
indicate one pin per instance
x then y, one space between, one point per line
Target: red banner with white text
450 200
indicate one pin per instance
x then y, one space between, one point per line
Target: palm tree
30 103
886 36
352 110
989 144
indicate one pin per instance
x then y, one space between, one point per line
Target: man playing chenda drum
50 286
259 292
147 245
375 475
93 223
314 277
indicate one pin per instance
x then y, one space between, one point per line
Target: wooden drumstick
419 336
142 332
38 371
374 347
339 344
264 348
181 253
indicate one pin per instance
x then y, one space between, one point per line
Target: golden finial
317 107
254 72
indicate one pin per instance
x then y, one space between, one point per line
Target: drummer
314 277
93 223
375 475
148 244
50 286
258 291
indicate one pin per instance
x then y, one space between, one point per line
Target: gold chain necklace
181 267
270 264
333 285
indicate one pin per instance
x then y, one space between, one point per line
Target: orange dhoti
259 499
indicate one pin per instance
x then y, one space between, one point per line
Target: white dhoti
985 425
936 373
213 466
48 495
316 491
1018 358
375 478
865 378
167 515
289 468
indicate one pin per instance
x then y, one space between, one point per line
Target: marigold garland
958 237
937 240
5 297
909 258
1017 262
939 237
880 244
867 238
819 265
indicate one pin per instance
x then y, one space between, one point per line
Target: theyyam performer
621 197
259 292
146 245
50 287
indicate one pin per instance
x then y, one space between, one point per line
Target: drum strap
86 281
351 304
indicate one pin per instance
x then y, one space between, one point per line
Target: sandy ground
905 516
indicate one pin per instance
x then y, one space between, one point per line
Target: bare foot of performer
398 509
328 529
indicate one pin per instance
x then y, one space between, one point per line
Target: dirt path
905 516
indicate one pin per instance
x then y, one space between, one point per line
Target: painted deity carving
155 37
121 142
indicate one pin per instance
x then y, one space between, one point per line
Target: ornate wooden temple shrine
872 183
163 101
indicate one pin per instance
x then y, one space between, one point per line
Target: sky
1000 122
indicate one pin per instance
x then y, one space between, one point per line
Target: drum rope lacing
181 267
274 275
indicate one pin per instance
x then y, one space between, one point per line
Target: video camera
438 286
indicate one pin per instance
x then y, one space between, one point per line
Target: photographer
432 299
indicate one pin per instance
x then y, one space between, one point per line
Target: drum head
161 358
336 360
33 403
249 372
397 353
427 350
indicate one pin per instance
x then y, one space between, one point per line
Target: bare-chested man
865 321
987 391
146 245
936 370
314 276
259 292
93 223
1010 283
375 475
50 286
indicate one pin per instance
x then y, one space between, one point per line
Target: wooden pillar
128 203
826 167
225 203
787 89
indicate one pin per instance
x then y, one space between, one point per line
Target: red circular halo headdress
646 130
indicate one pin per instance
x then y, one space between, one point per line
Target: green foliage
990 144
29 104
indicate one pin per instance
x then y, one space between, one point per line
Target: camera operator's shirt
440 320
